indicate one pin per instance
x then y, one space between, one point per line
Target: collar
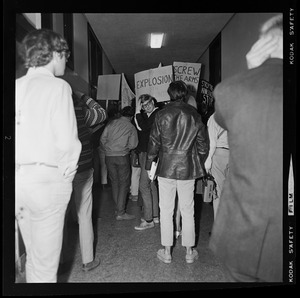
149 114
125 118
273 61
39 70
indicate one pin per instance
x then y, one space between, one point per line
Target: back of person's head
272 27
39 45
127 111
177 90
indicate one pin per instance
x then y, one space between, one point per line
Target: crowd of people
240 146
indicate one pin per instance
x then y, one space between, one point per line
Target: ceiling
124 38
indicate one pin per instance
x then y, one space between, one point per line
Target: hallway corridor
128 255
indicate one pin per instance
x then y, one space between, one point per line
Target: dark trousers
119 172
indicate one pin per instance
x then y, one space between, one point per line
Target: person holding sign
247 233
180 140
144 117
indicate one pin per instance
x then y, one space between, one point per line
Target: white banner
154 82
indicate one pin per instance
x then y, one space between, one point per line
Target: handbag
209 191
134 159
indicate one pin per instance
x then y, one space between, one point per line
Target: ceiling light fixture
156 40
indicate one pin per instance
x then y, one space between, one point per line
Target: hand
138 106
261 51
148 172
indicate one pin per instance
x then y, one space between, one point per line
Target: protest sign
109 87
205 100
154 82
188 73
205 92
126 94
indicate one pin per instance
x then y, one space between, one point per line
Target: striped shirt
90 114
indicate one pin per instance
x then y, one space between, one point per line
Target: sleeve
94 113
212 134
136 122
65 131
144 123
219 95
154 143
103 139
133 138
202 143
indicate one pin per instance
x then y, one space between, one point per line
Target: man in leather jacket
179 139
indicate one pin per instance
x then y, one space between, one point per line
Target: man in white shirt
47 152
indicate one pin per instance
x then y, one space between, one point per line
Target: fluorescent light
156 40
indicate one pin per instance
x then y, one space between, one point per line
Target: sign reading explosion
154 82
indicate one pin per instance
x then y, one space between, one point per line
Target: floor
129 256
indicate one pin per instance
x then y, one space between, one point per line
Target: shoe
133 198
145 225
125 216
190 258
156 220
91 265
163 256
177 234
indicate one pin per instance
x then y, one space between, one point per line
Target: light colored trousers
42 197
219 171
83 197
167 193
135 181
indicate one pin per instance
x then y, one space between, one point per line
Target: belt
222 148
36 164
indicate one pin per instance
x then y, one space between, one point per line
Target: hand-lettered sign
154 82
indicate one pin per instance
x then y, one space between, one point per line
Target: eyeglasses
147 105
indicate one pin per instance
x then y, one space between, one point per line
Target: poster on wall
188 73
109 87
154 82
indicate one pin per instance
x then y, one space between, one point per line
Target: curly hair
38 47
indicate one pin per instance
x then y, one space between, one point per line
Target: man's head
127 112
148 102
177 90
41 46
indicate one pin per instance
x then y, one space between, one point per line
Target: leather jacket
180 140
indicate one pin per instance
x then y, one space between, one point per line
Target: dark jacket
180 140
247 233
145 123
